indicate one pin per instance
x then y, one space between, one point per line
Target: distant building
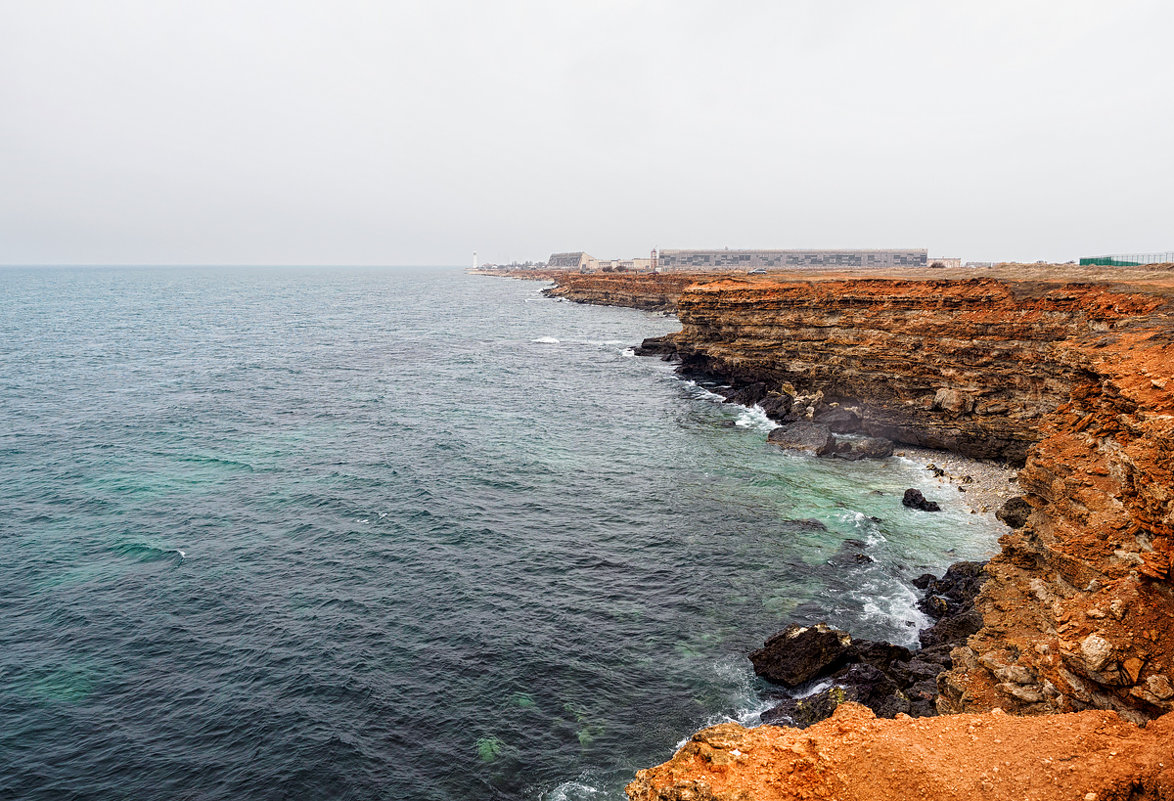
702 260
584 262
575 260
942 261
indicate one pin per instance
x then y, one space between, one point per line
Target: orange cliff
1071 380
1086 756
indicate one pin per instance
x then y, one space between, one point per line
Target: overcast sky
403 132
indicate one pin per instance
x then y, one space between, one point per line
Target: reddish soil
1081 756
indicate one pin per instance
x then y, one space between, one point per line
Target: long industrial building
692 260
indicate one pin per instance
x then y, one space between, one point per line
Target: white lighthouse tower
474 260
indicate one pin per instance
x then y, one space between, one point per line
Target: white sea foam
572 791
866 526
605 342
811 689
754 417
701 393
546 340
746 703
630 352
896 605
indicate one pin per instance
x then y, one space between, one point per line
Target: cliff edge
1094 756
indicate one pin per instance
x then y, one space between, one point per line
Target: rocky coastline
1067 382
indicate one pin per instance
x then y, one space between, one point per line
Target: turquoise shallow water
340 533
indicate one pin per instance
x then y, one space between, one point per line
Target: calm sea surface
395 534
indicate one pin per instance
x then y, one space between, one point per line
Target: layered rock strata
1069 380
636 290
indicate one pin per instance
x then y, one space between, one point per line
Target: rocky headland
1062 373
1067 379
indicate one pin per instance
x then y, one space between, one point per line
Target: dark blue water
389 534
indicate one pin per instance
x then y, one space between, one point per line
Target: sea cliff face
966 366
1069 380
636 290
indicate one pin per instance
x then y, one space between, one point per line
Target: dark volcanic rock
1014 512
952 630
838 419
748 395
950 600
915 500
955 591
777 406
855 448
860 682
800 653
924 580
887 678
657 346
803 436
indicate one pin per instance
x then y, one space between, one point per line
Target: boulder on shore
664 347
915 500
856 448
803 436
800 653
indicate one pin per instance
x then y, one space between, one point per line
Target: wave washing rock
888 679
915 500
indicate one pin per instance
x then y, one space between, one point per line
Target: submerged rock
915 500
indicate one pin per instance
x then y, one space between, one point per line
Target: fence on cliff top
1130 259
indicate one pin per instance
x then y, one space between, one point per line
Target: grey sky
401 132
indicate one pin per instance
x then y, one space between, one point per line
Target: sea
398 533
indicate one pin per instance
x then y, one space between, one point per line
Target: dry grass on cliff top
1155 278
